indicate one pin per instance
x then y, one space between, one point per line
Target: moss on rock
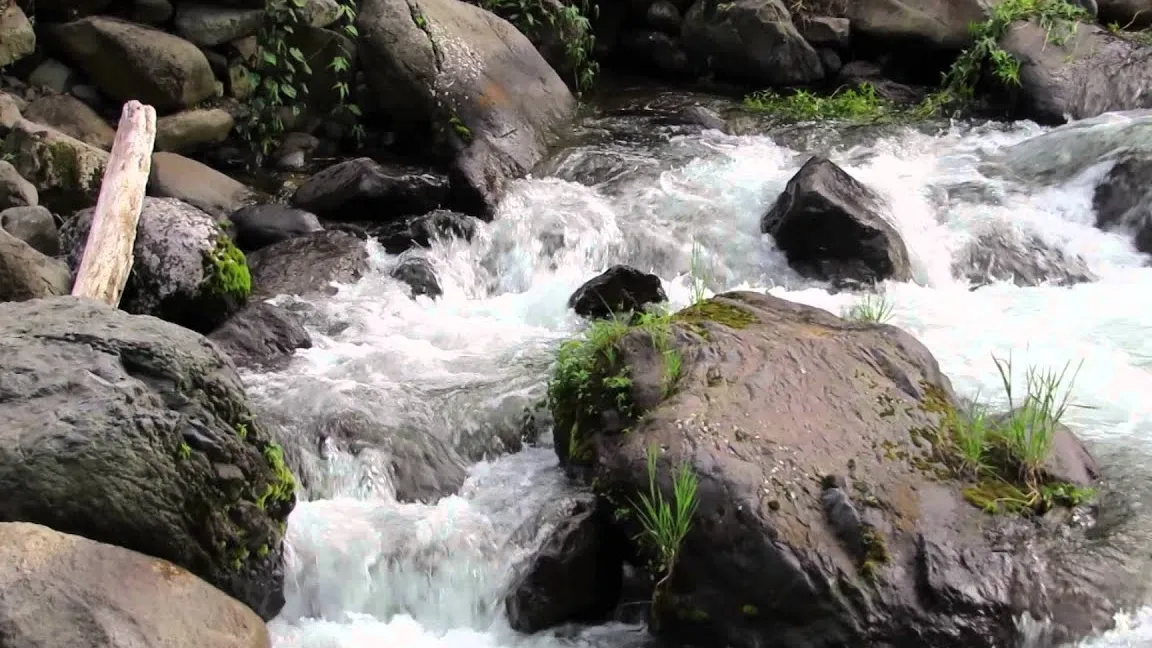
228 274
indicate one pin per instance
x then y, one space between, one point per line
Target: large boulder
257 226
619 289
192 130
175 176
185 269
28 274
830 226
34 225
473 78
132 431
941 25
209 25
308 265
15 191
751 41
1123 200
130 61
66 171
834 507
365 190
72 117
17 38
65 590
1092 72
261 335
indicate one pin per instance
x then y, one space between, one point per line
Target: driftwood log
107 256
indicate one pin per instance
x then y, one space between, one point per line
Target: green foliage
184 451
699 273
229 276
342 66
282 487
572 23
1142 37
858 105
873 308
664 524
1058 18
1004 456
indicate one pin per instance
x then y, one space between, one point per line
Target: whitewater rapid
366 571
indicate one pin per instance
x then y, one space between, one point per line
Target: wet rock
209 25
132 431
750 41
825 31
498 123
175 176
15 191
257 226
72 117
1005 254
421 231
65 590
308 265
419 275
618 289
54 75
130 61
185 268
28 274
1092 72
295 151
664 16
939 25
35 226
779 410
364 190
859 73
1134 14
654 51
66 171
831 227
697 116
423 468
320 13
192 130
575 574
9 112
261 335
152 12
17 38
1123 200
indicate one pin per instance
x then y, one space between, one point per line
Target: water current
367 571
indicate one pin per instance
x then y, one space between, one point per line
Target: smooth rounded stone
132 431
1023 258
66 172
419 275
175 176
619 289
72 117
831 227
209 25
367 191
664 16
295 151
308 265
152 12
262 336
15 191
17 38
34 225
10 106
257 226
66 590
825 31
193 130
185 269
54 75
28 274
421 231
88 94
320 13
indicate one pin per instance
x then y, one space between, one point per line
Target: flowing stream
365 571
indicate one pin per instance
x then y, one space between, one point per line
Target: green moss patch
713 310
282 487
228 275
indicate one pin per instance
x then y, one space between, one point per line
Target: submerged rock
830 226
308 265
421 231
619 289
367 191
185 268
1123 200
1005 254
132 431
66 590
824 460
261 335
419 275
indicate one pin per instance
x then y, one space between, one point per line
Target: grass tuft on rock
857 105
1003 457
871 309
229 277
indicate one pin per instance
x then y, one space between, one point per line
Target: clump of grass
1058 18
873 308
699 272
860 105
1142 36
664 524
1004 456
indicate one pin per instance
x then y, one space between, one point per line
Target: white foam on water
365 570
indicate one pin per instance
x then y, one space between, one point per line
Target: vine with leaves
342 66
572 22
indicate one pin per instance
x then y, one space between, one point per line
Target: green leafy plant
571 22
860 105
664 524
873 308
342 66
1058 18
699 273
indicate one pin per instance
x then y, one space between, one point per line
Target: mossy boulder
830 511
66 172
186 268
132 431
